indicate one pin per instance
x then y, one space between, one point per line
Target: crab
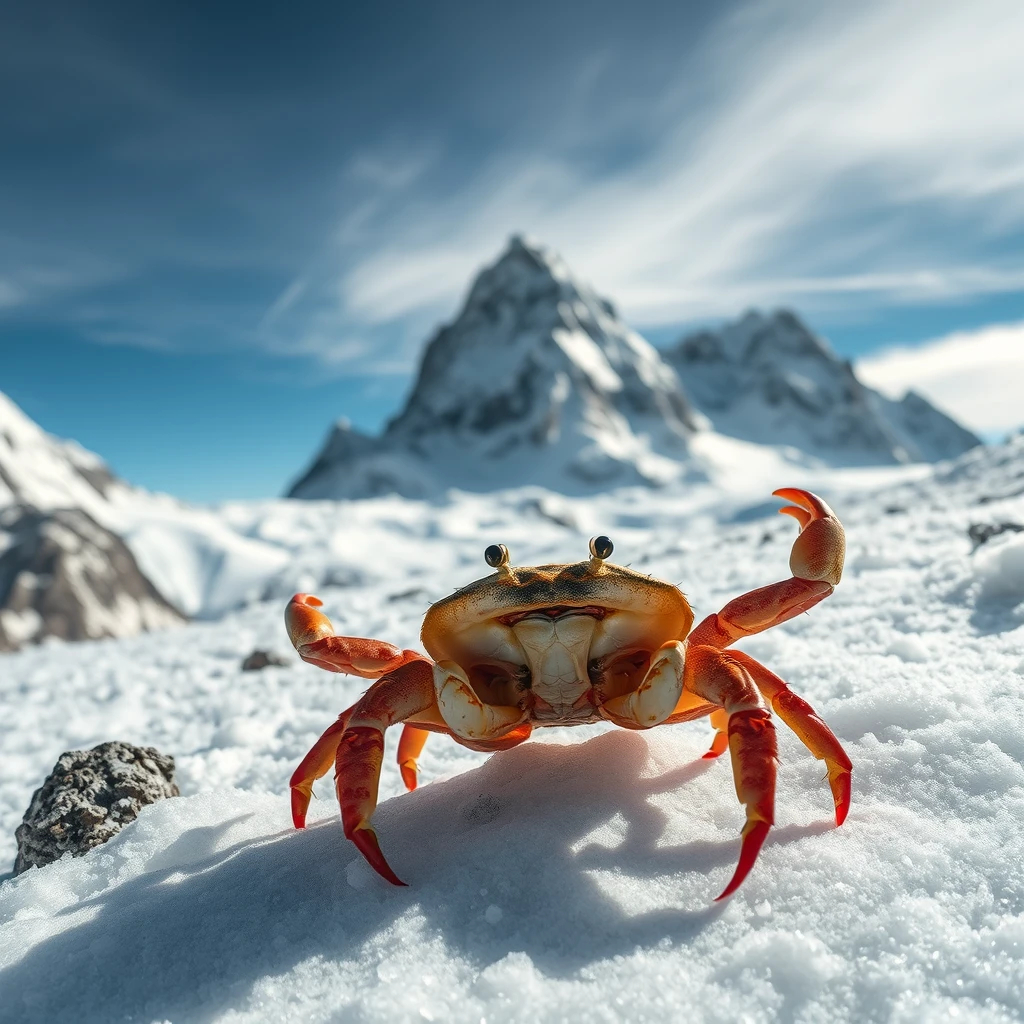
562 645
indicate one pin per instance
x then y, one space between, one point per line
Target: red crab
525 648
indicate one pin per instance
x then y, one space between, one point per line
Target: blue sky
218 232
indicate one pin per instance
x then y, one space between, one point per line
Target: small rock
262 659
88 798
981 533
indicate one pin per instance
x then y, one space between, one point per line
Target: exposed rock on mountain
64 575
770 380
536 381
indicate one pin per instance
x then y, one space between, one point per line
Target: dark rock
88 798
261 659
980 533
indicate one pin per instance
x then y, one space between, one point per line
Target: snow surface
571 878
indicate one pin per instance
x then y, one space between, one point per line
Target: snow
571 877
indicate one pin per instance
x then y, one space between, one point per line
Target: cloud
977 376
869 149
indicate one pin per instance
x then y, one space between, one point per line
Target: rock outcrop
88 798
63 575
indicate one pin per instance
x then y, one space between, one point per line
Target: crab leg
816 563
720 744
815 735
410 746
313 636
720 679
358 742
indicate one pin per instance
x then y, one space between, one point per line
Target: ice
571 878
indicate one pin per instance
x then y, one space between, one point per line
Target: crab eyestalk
601 548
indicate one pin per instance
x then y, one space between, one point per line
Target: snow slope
197 563
769 379
536 381
570 878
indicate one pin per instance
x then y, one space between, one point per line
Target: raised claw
819 551
304 623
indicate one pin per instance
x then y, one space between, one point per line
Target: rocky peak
770 379
536 380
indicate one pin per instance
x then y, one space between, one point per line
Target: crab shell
545 635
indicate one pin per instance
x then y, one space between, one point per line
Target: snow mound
771 380
536 381
999 568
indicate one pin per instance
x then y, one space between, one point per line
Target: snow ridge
769 379
537 381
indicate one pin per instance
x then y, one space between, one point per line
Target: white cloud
859 148
978 376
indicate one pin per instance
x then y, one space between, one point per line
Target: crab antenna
600 549
496 556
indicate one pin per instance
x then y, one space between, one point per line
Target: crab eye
601 547
496 555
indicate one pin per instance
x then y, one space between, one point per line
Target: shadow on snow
188 943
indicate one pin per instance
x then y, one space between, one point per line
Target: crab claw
304 623
819 551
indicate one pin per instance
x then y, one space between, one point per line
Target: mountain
64 575
42 471
84 554
537 380
770 380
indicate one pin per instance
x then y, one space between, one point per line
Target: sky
219 233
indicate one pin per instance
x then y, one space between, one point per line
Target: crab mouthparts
554 612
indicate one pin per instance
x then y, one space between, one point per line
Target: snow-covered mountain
84 554
537 380
64 575
770 380
44 472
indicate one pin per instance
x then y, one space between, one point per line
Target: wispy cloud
869 149
978 376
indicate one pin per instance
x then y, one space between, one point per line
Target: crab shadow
190 941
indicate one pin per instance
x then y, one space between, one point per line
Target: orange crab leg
410 746
720 743
356 744
817 566
815 735
313 636
718 678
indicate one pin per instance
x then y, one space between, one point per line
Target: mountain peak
536 380
770 379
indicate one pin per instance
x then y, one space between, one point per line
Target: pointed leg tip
841 794
366 842
753 839
300 803
409 776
